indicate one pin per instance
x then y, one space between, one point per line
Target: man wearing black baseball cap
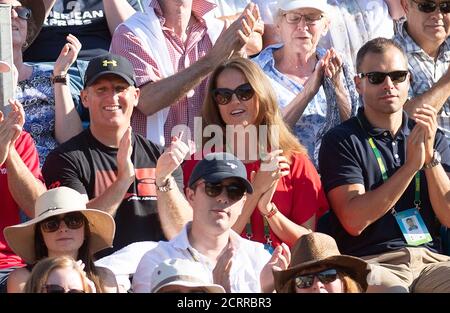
217 192
114 167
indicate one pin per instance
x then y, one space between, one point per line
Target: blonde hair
269 113
41 271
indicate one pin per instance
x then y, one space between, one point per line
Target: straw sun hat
317 250
58 201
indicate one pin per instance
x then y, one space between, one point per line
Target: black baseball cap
218 166
109 64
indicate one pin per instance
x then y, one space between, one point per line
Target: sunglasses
325 277
223 96
377 78
23 12
73 220
428 7
235 191
295 18
60 289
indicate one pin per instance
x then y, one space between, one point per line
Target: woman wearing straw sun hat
62 226
317 266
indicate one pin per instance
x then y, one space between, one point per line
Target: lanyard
385 176
249 232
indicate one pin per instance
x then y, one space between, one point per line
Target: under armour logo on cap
233 166
106 62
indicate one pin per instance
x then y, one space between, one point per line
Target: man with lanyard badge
388 167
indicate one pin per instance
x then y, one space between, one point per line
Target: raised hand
236 35
10 128
221 272
333 66
169 161
426 119
281 257
125 167
68 55
415 149
273 167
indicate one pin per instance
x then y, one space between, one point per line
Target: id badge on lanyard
413 227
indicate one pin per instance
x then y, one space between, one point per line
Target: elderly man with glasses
426 43
217 191
388 167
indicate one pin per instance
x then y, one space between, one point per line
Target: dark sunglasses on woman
428 7
223 96
325 277
376 78
72 220
235 191
23 12
60 289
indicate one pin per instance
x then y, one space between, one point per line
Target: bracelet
59 79
169 184
272 212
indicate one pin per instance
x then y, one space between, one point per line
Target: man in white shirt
217 193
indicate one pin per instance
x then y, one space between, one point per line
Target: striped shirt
425 70
182 55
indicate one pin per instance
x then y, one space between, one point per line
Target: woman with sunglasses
59 275
63 226
317 266
314 87
288 196
50 115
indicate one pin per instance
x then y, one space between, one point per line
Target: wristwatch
169 184
436 160
59 79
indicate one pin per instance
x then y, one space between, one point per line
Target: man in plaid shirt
425 41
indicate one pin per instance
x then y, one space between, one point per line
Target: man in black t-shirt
92 22
114 167
387 167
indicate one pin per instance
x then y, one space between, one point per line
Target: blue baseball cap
216 167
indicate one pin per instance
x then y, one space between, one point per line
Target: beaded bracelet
272 211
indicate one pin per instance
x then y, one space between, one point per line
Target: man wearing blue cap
217 192
113 166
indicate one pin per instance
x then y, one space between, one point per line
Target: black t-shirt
353 162
86 165
84 19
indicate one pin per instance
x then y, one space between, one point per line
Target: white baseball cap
288 5
182 272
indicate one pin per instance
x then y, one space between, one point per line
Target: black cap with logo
109 64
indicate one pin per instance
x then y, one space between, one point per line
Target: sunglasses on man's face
60 289
376 78
23 12
223 96
235 191
325 277
428 7
73 220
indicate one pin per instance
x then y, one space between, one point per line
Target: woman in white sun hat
62 226
315 89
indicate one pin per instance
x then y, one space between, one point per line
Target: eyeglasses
325 277
72 220
23 12
428 7
60 289
377 78
295 18
235 191
223 96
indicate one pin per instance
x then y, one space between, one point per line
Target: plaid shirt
182 55
425 70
